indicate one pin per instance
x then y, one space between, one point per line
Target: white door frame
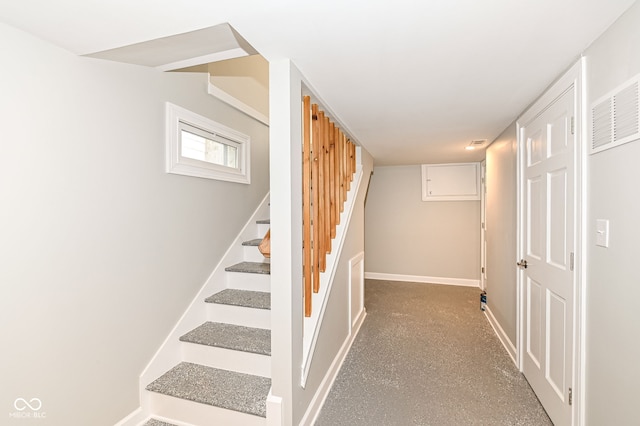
483 225
575 77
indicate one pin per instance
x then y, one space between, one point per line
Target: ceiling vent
615 118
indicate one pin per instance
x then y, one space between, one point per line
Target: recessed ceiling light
475 143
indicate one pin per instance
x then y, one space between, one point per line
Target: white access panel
451 182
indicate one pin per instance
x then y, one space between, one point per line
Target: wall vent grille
615 118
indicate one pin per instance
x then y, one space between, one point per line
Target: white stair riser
253 282
239 315
200 414
252 254
227 359
262 229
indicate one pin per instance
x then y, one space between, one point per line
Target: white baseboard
504 339
317 402
464 282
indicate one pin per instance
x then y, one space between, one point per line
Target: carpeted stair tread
246 298
156 422
228 336
221 388
252 243
263 221
250 268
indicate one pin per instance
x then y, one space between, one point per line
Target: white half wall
289 399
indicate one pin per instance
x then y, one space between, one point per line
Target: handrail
328 166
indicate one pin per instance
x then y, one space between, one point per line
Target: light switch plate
602 232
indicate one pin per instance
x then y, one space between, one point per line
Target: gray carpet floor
426 355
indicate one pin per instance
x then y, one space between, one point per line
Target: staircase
224 375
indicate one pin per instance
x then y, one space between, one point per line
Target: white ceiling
413 80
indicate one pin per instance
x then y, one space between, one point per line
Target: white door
548 248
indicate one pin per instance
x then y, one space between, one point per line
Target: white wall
100 250
501 231
407 236
613 290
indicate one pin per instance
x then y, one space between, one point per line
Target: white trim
313 410
464 282
580 299
483 225
504 339
312 324
573 78
234 102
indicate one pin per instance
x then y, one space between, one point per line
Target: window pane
204 149
232 156
193 146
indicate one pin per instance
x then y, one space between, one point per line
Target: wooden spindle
306 204
320 241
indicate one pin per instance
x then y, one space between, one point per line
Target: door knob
522 264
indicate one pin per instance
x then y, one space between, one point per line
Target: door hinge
573 125
570 396
571 262
482 269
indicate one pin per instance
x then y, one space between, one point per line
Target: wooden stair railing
328 166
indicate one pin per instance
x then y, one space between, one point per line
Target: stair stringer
313 324
170 352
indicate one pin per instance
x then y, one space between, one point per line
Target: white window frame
176 116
